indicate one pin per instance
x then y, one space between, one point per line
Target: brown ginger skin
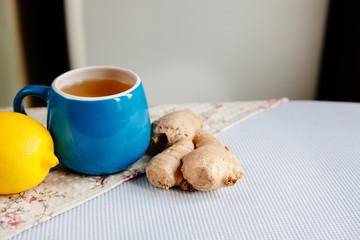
211 165
174 133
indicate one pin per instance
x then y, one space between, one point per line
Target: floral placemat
62 189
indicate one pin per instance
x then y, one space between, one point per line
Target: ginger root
174 133
189 156
211 165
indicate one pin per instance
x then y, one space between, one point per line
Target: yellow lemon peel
26 152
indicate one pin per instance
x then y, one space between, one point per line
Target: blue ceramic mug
95 135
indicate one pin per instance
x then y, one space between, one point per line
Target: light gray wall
11 70
204 50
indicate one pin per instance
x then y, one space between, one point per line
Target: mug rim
69 96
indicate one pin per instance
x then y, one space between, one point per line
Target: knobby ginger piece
210 166
174 133
163 171
171 127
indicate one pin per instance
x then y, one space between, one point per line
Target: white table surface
302 174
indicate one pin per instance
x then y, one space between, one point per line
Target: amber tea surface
97 88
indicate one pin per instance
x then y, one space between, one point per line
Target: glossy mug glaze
95 135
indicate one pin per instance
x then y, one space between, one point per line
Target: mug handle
31 90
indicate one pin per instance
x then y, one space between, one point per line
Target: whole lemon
26 152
